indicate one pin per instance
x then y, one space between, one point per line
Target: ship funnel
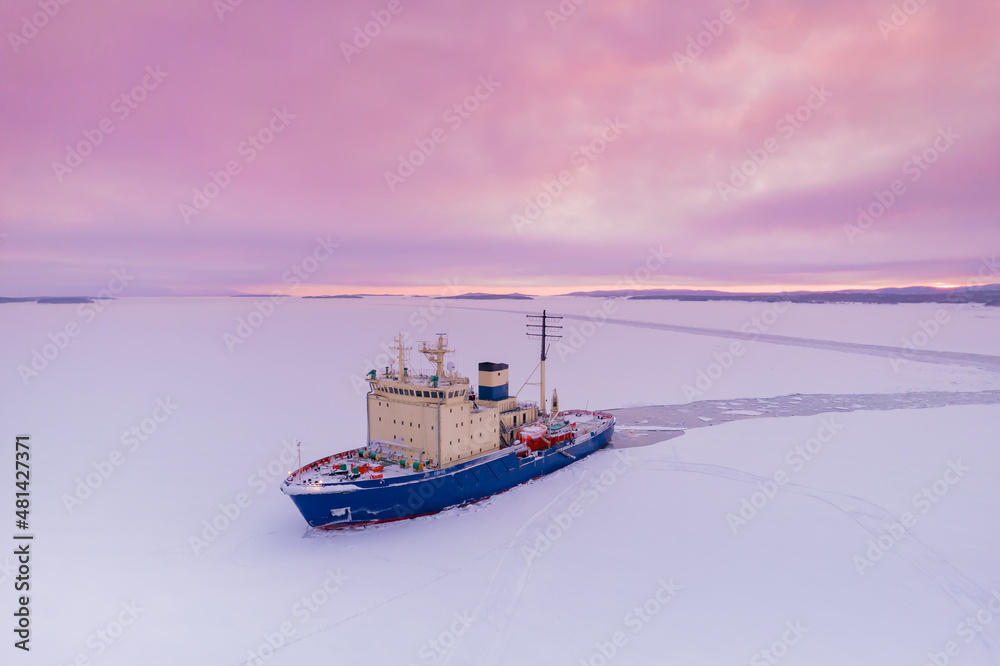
493 383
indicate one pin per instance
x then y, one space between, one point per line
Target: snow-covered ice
774 526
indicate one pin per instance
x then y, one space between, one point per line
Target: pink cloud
324 173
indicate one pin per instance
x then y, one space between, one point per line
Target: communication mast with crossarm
540 328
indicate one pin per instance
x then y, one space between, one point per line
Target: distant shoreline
987 295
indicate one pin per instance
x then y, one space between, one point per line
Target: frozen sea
794 484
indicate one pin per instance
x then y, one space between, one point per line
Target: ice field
864 529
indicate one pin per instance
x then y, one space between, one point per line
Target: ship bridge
434 418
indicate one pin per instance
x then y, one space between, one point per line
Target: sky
409 146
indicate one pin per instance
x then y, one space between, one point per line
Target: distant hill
64 300
620 293
52 300
986 294
476 296
337 296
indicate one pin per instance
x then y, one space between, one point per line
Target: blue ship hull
383 500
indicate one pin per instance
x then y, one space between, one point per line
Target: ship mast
401 360
543 331
436 354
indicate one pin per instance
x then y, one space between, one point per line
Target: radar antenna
436 354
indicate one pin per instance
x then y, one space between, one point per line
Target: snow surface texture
668 549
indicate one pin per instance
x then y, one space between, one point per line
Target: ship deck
328 473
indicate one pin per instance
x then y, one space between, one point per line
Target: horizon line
543 292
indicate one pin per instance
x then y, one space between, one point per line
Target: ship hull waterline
386 500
